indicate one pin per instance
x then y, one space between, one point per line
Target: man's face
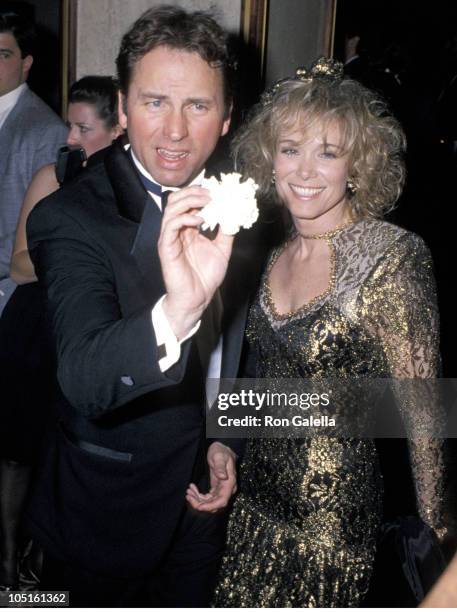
13 68
175 114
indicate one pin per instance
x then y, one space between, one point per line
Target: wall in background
107 21
299 31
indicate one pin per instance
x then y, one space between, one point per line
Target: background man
128 286
30 133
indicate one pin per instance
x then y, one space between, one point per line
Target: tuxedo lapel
238 290
233 325
130 194
135 204
235 298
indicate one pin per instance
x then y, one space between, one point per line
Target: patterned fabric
304 525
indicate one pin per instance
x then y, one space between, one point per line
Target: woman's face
87 130
311 172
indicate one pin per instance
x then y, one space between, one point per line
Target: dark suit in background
29 139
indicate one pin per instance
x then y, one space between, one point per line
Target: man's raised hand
193 266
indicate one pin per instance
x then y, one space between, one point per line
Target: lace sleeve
400 308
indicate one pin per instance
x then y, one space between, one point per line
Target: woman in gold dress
347 295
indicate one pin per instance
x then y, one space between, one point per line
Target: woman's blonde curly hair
372 138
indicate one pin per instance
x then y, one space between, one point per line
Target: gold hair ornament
325 69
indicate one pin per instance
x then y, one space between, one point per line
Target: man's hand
222 467
193 266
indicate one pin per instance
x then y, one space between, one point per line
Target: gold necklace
328 233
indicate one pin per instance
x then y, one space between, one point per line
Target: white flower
233 204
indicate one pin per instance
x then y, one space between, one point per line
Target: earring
273 177
351 186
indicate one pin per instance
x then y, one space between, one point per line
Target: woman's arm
43 183
402 310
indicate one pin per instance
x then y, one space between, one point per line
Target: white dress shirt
8 102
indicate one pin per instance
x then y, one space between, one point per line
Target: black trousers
185 578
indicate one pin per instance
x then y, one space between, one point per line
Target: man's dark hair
101 92
174 27
21 27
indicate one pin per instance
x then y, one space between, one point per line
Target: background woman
26 358
346 296
93 125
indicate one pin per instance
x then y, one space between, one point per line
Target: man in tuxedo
137 315
30 133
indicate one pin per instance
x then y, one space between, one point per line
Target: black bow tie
156 189
151 186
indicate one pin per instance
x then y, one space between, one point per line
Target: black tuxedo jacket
130 438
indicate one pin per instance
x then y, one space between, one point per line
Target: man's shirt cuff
169 347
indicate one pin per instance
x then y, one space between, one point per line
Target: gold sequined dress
304 525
